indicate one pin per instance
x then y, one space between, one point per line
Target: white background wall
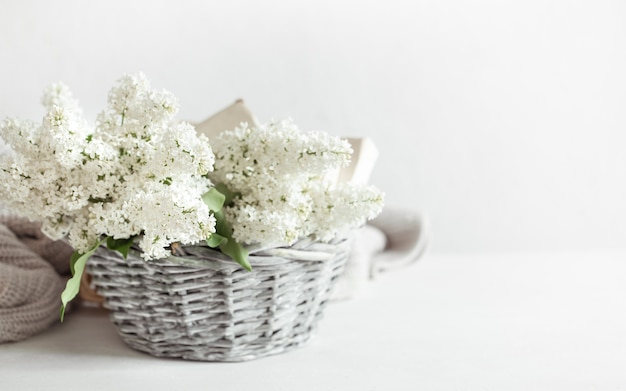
502 120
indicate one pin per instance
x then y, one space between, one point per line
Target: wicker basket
203 306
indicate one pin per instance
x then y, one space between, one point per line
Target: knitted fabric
31 278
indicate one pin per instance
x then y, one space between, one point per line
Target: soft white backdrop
503 121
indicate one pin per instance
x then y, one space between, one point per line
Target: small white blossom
139 173
279 174
59 95
136 173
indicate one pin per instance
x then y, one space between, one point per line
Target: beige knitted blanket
32 277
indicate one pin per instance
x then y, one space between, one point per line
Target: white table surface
480 322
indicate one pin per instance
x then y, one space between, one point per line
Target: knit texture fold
33 273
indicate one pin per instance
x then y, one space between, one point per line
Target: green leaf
73 259
230 195
221 225
229 245
122 246
215 240
236 252
77 266
214 199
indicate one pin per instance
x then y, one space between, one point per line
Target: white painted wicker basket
204 306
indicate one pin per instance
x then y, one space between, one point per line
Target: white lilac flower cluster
135 173
139 174
280 177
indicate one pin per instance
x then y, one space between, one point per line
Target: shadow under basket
204 306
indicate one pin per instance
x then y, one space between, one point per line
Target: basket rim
304 250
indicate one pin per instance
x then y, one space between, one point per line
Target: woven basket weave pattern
206 307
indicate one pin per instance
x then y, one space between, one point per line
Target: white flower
139 173
136 173
59 95
279 175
